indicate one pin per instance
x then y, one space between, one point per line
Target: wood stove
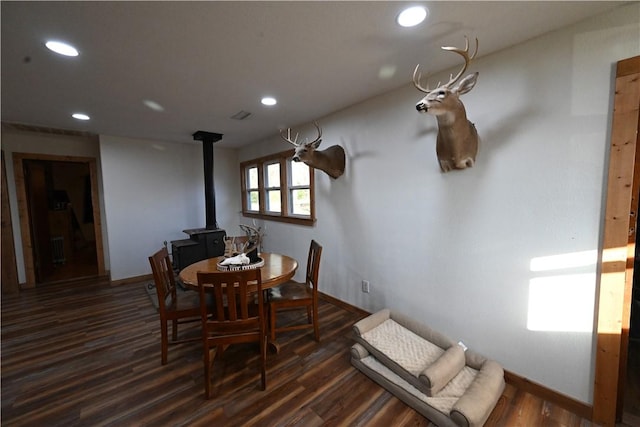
204 242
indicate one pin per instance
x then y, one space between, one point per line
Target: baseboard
104 279
577 407
130 280
342 304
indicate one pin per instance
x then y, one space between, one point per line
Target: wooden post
9 269
613 268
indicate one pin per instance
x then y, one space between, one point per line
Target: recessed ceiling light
153 105
268 100
412 16
80 116
61 48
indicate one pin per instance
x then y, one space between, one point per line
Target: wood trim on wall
577 407
628 291
342 304
9 268
132 280
23 210
614 267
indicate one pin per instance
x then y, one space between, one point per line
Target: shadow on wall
350 259
504 130
429 133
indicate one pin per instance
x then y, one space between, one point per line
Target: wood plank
628 66
8 265
611 294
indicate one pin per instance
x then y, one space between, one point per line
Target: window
253 194
272 187
277 188
299 188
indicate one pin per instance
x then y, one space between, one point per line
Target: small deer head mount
457 141
331 161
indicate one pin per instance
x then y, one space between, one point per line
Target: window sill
279 218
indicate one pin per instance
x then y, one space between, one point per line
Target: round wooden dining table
277 269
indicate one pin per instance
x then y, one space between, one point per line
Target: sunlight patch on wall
564 261
562 303
563 299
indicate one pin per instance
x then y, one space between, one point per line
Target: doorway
631 404
59 218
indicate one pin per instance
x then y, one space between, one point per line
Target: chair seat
290 291
190 301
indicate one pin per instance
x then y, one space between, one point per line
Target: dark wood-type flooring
88 354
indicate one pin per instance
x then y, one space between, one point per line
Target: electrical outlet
365 286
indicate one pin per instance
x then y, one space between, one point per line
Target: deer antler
467 59
465 54
319 131
295 140
288 137
416 81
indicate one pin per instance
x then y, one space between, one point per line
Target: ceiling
205 61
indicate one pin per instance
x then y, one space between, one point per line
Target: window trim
284 158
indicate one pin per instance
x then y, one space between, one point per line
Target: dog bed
445 382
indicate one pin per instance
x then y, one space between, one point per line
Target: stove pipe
208 138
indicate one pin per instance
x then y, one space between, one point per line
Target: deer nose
295 158
421 106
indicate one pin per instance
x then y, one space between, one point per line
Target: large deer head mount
331 161
457 141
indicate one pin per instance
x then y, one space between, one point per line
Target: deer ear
316 144
466 84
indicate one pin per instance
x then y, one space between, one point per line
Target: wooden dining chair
171 308
239 316
294 296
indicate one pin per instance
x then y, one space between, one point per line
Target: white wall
455 250
15 141
153 191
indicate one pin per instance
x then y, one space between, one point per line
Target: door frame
9 268
23 209
616 272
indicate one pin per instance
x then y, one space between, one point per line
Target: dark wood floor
89 355
82 263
